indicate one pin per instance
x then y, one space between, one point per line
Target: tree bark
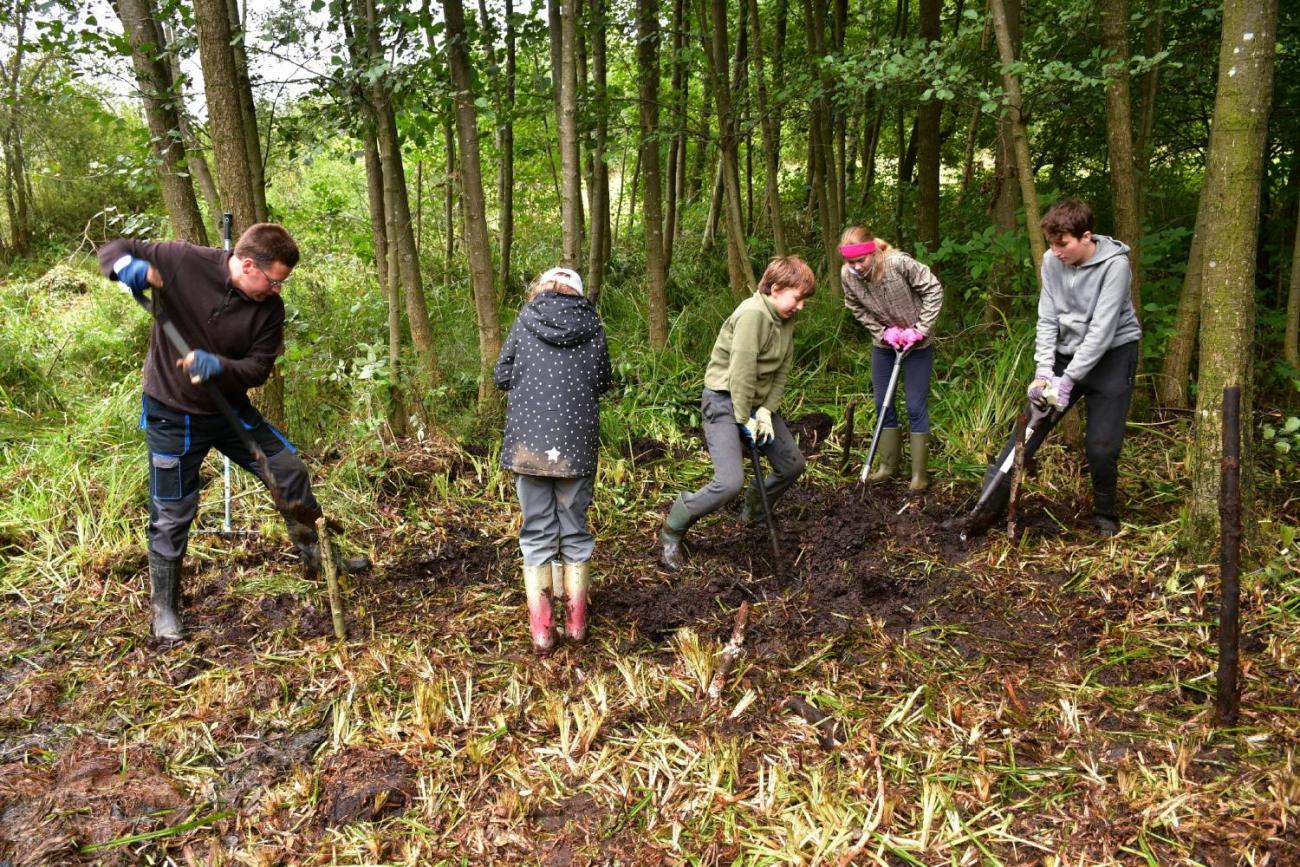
769 122
1119 138
158 93
1291 324
225 116
195 157
1006 198
1234 169
247 109
647 41
1175 369
1148 86
1020 137
677 146
567 130
599 247
506 142
821 130
17 185
928 117
715 48
471 177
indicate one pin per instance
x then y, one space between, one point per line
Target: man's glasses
275 284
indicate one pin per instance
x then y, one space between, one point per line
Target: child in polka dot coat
554 367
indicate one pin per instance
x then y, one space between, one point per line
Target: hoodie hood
560 319
1107 248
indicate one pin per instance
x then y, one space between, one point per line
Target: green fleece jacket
751 357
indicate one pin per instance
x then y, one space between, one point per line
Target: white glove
763 431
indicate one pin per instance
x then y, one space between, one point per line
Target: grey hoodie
1085 310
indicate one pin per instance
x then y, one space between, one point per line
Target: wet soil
360 784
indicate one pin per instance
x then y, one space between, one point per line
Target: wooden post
330 567
1229 698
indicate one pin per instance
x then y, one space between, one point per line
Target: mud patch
94 794
466 557
268 762
362 785
811 431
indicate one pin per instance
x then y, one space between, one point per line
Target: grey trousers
555 519
728 454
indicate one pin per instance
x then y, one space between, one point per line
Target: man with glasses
227 305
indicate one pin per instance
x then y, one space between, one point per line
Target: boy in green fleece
743 384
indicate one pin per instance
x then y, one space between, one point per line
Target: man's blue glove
746 434
133 273
200 365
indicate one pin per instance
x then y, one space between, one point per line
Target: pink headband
857 251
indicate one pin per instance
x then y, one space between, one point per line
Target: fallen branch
730 653
824 724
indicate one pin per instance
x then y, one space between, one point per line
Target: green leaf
1292 425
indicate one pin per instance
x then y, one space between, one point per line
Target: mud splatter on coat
554 365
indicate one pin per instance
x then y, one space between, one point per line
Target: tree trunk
506 142
567 130
1119 138
225 116
821 129
471 178
1020 137
159 94
17 185
599 247
647 65
247 109
715 48
195 157
769 121
1175 369
1006 196
1233 171
1291 325
715 208
678 143
1148 86
928 117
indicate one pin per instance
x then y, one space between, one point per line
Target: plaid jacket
909 296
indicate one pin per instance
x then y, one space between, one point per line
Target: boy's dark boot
165 597
920 456
891 445
307 540
1105 518
672 532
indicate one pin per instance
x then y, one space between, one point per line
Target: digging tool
295 510
1039 412
880 419
762 495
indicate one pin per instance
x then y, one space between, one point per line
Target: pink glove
893 336
911 337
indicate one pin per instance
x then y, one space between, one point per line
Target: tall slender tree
770 121
159 95
929 114
567 130
1233 173
598 253
647 51
1119 137
476 235
226 120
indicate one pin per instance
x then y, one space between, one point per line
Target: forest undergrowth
1047 701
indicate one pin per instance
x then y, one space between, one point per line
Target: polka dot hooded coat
554 366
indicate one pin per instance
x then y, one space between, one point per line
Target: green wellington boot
672 532
920 455
891 444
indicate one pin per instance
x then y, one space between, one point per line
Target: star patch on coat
553 454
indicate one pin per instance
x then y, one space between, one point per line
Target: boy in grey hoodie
1086 347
